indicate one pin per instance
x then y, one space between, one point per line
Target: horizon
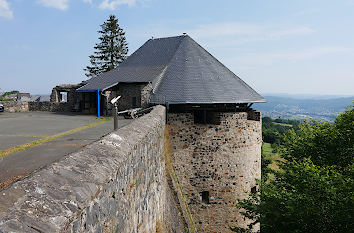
277 47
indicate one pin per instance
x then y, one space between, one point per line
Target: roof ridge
167 37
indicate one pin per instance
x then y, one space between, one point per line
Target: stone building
215 135
66 93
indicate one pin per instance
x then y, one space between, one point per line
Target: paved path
19 128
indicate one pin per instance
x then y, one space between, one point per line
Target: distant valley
318 108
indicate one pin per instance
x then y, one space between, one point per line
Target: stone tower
217 157
215 135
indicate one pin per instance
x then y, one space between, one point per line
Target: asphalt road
20 128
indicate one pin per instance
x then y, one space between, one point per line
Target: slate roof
181 71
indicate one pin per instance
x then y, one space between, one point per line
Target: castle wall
220 160
50 106
15 106
117 184
24 106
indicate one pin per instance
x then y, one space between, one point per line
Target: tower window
206 117
205 197
254 189
212 118
199 117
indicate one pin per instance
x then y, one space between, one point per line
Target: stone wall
21 106
128 91
145 94
216 165
50 106
15 106
117 184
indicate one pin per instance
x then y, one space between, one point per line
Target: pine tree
110 51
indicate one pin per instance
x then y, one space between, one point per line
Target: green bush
313 190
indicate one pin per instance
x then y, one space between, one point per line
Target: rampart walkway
32 140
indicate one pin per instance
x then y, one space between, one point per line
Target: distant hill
291 108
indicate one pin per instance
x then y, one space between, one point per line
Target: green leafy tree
308 195
10 93
302 197
110 51
328 144
3 97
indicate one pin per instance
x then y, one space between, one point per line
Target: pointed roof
181 71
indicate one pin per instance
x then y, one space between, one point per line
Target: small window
63 97
206 117
254 189
205 197
134 101
212 118
199 117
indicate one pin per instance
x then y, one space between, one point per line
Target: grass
267 151
283 124
7 152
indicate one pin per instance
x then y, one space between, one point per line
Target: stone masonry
22 106
145 95
216 165
49 106
15 106
128 91
117 184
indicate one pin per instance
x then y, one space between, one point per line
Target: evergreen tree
110 51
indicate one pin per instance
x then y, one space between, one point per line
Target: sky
276 46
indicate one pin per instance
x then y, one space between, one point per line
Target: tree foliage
110 51
313 190
329 144
9 93
303 197
273 130
3 97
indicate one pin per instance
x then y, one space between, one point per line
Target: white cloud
292 31
104 4
5 10
58 4
228 33
271 58
306 12
251 31
113 4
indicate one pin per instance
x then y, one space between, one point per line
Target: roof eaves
103 89
212 102
82 88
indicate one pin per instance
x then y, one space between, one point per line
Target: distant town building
24 97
